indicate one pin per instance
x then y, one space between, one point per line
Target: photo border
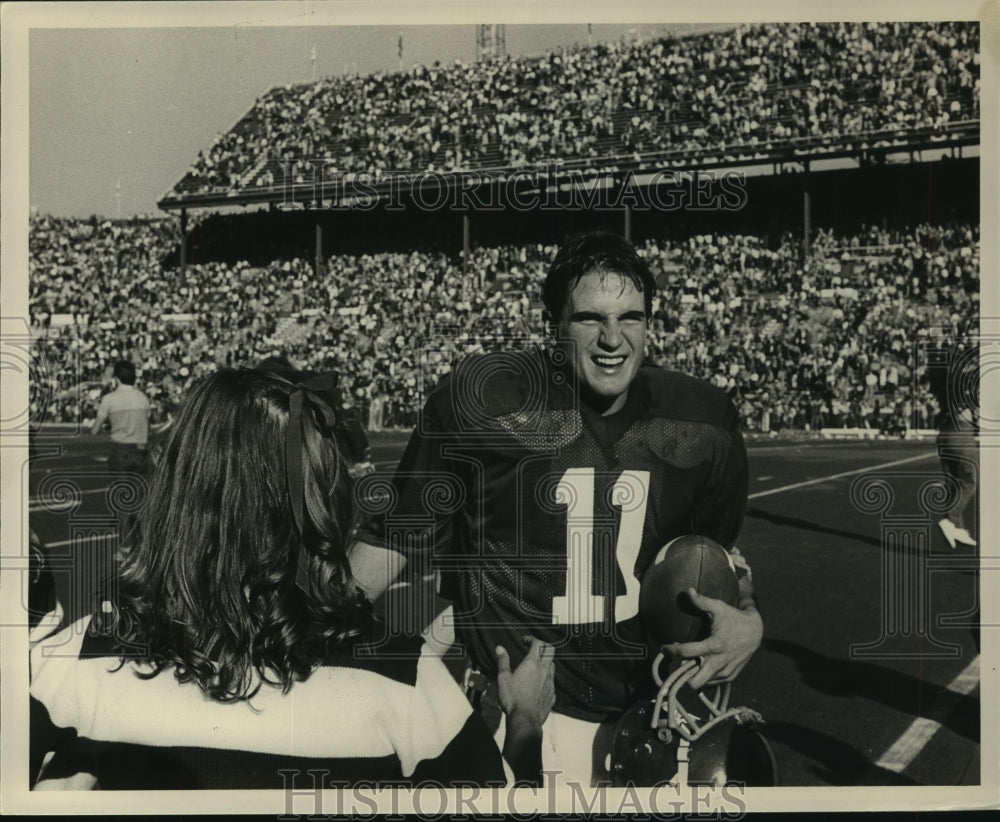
18 19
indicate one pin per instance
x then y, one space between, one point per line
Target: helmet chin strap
678 719
683 757
664 736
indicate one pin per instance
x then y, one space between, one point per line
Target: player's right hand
736 635
529 691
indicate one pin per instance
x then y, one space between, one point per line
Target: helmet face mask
689 737
684 736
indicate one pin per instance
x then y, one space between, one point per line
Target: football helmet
689 737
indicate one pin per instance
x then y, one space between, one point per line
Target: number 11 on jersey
579 605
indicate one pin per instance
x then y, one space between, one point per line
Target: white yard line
915 738
905 749
55 505
768 492
792 487
62 542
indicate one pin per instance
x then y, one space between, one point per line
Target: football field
869 669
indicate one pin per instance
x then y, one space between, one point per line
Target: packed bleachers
827 342
809 86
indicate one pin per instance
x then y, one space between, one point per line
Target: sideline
803 484
768 492
905 749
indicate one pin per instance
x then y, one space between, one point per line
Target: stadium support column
466 250
319 247
806 213
184 237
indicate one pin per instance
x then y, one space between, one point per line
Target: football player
953 378
550 479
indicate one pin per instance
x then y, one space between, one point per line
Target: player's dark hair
124 372
600 251
222 583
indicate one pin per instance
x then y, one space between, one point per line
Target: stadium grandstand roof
762 95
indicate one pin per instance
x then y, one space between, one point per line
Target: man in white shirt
126 409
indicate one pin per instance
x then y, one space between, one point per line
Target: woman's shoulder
393 657
84 638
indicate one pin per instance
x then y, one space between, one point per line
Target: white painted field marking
792 487
916 737
905 749
752 496
54 505
60 543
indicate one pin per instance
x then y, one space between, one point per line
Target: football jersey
391 716
542 515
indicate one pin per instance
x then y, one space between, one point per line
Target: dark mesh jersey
543 515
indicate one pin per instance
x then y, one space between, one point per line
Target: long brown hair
222 583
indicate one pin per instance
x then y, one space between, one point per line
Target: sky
122 96
118 115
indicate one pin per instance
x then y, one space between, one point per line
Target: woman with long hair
235 649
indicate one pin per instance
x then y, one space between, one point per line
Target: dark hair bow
320 393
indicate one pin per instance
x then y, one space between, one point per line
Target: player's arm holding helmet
736 635
736 631
688 734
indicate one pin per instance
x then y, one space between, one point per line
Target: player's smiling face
603 329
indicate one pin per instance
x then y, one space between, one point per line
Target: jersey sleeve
721 506
409 517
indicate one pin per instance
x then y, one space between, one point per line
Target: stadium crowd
825 343
733 93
